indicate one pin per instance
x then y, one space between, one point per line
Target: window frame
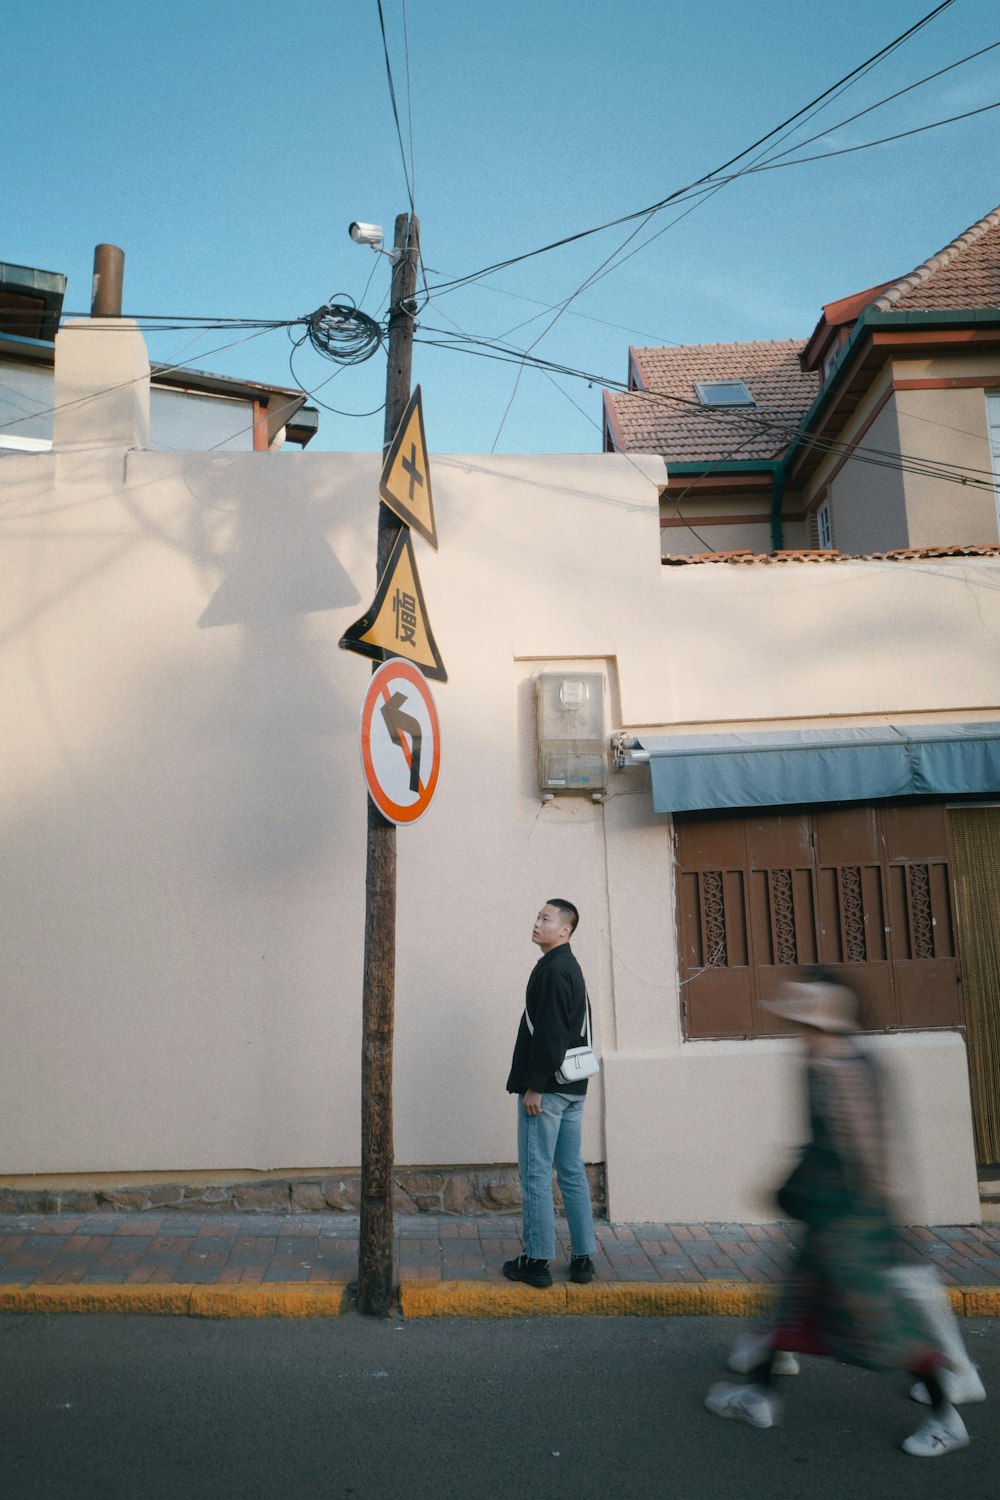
703 387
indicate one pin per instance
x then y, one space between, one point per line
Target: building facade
184 816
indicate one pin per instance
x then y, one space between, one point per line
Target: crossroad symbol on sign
396 623
405 485
400 741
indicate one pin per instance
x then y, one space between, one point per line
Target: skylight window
723 393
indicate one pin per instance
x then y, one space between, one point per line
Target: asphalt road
139 1408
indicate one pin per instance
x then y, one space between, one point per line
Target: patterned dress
838 1299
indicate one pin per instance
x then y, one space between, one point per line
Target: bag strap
586 996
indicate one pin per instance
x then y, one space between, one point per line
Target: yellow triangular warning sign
405 485
397 623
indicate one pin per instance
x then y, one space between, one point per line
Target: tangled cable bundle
342 332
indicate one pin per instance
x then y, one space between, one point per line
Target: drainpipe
109 273
777 498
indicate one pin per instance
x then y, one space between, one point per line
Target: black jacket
556 1001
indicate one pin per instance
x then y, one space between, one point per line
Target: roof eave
871 321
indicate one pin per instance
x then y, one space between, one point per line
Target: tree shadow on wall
277 710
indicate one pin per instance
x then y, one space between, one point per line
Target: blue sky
227 144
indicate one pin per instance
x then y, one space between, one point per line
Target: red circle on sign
400 741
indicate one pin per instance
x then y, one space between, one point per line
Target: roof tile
965 273
668 419
771 559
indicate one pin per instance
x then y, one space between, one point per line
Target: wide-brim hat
825 1007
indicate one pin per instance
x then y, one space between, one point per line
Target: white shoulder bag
579 1063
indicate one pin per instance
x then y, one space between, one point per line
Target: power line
781 428
696 190
395 111
710 178
311 393
409 102
159 370
774 156
169 323
717 184
889 98
669 498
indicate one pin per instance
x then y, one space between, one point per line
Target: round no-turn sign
400 741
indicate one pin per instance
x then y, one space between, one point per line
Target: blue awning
700 771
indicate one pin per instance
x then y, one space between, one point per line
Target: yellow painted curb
269 1299
980 1302
608 1299
634 1299
255 1299
478 1299
436 1299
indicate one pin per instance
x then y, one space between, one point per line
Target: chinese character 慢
404 607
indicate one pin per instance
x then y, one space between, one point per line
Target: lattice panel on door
865 889
852 914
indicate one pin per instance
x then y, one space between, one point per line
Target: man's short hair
567 908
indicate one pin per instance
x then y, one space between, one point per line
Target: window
723 393
829 360
862 888
824 531
993 433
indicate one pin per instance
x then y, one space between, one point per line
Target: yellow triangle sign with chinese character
405 485
396 623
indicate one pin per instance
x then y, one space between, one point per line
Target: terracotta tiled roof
684 431
770 559
965 273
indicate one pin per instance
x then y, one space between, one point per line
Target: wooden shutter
975 845
860 888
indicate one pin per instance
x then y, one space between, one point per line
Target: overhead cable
780 427
608 263
713 176
159 370
774 156
342 332
395 111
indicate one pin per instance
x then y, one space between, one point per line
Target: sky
226 145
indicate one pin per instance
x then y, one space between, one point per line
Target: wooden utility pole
379 991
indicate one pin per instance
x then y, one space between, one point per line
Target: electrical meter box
572 738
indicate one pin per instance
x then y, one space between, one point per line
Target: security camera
366 234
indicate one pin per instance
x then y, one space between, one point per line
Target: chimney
109 274
102 370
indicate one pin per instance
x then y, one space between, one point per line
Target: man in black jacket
550 1113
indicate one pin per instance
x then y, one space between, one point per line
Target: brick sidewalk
213 1249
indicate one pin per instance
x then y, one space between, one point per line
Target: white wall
182 848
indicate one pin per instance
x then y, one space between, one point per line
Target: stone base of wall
417 1190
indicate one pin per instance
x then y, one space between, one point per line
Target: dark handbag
815 1191
797 1194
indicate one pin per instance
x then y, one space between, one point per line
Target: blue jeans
552 1139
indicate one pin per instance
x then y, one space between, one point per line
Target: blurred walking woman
839 1298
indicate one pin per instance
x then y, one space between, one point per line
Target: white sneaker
752 1350
962 1387
747 1403
944 1434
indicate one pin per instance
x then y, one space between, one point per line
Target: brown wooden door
859 888
714 929
975 846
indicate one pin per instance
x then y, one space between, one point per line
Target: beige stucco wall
951 424
715 534
867 501
183 811
874 508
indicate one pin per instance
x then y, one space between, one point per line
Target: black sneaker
531 1272
581 1268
